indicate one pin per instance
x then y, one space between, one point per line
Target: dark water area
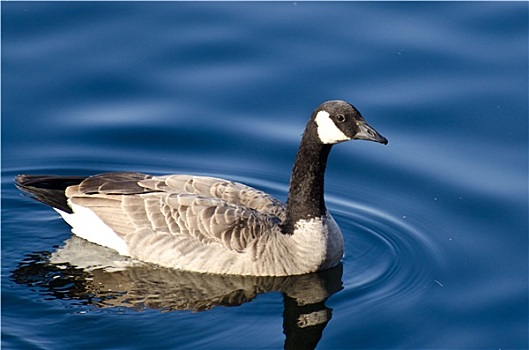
435 223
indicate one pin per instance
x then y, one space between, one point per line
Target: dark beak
366 132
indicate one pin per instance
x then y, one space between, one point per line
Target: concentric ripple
386 258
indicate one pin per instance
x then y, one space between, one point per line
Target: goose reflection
98 276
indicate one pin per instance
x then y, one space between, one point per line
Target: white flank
86 224
328 132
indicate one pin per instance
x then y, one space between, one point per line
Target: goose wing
148 211
210 187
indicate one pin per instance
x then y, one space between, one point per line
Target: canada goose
211 225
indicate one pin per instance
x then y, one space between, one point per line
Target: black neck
305 197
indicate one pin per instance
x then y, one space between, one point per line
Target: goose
211 225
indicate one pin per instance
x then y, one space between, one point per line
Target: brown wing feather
231 192
114 183
214 220
206 209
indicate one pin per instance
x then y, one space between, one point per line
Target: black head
338 121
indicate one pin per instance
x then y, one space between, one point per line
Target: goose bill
366 132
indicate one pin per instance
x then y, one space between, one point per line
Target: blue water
435 223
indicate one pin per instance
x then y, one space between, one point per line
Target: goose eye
340 118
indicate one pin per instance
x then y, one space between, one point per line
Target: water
435 223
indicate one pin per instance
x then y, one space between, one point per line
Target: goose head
338 121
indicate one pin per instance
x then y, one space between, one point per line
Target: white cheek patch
328 132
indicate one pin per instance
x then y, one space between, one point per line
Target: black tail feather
48 189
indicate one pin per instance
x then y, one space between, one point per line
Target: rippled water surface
435 223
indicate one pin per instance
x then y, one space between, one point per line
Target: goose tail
47 189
